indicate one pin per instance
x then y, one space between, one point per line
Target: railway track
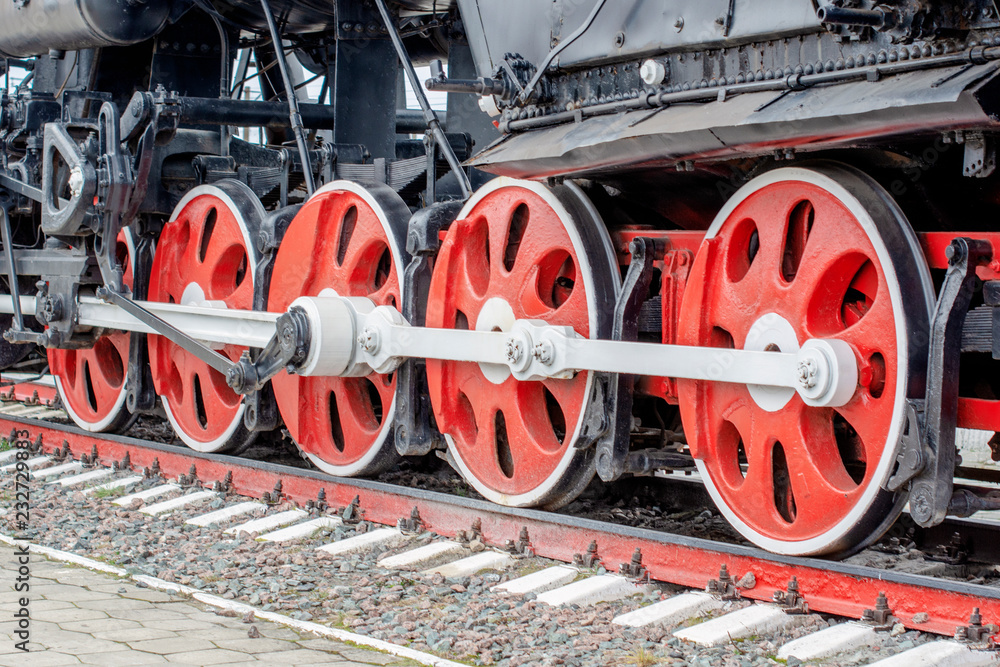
653 581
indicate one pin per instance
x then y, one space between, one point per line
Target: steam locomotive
643 236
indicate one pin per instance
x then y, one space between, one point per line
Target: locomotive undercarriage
758 261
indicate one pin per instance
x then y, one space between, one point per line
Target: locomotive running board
751 123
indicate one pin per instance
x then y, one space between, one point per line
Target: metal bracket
140 393
975 632
17 324
910 457
980 156
790 601
880 617
613 444
288 346
724 587
415 434
114 190
931 490
68 218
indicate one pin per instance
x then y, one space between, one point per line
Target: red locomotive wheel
520 250
92 383
348 240
204 257
799 254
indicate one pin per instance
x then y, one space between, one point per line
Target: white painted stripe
468 566
829 641
672 611
49 413
365 541
940 654
322 630
83 478
8 455
227 513
60 469
114 484
155 492
66 556
539 582
176 503
15 410
757 619
31 463
40 412
18 377
603 588
422 557
268 523
300 530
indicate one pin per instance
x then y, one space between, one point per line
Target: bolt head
807 372
513 351
544 353
652 72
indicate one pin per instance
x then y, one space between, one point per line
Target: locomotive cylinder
34 27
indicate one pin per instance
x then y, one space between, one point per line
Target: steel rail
839 588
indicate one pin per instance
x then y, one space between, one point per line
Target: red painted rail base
829 587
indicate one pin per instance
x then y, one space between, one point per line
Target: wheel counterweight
348 240
93 382
799 254
204 257
520 250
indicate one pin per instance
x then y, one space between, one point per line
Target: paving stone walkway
83 617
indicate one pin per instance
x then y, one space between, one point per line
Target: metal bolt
513 350
679 23
652 72
620 40
368 340
807 371
544 352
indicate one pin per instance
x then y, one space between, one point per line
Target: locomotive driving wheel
204 257
93 382
520 250
348 240
797 254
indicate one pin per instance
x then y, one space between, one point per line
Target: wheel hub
496 315
771 333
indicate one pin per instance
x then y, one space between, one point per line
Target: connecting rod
349 336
